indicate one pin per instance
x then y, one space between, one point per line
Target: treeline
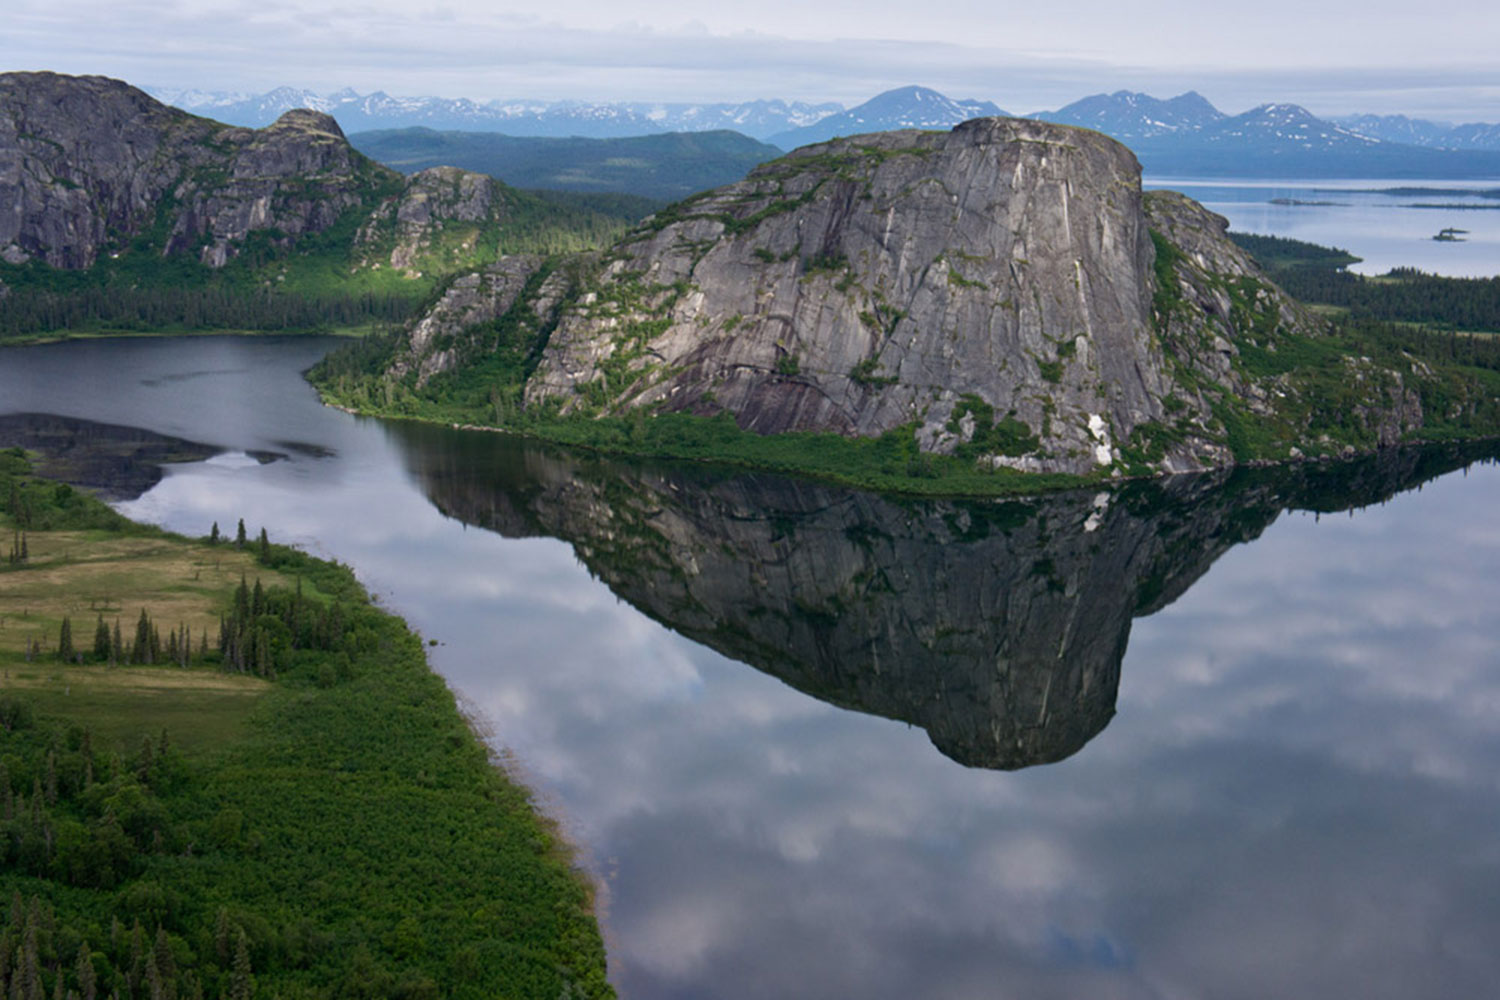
1428 344
1317 274
1274 252
90 820
1403 295
30 310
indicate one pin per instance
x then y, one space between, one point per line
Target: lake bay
1230 736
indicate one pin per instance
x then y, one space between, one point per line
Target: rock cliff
88 163
92 168
995 274
1004 289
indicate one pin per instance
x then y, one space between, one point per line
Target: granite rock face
88 163
868 283
434 340
406 230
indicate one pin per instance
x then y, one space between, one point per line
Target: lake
1229 736
1388 223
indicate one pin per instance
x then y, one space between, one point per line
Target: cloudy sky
1436 59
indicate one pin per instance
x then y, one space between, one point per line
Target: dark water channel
1223 736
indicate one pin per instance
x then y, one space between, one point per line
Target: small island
1451 235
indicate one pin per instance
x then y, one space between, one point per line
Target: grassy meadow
257 789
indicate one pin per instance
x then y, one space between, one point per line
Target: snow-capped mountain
1183 135
1127 115
1396 128
1285 140
1283 125
905 107
1420 132
1475 135
361 113
757 119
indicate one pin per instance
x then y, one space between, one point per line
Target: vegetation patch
299 811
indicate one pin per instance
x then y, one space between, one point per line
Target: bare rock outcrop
869 283
88 163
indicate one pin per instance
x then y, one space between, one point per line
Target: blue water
1386 229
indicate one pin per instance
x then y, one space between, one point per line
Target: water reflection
114 461
996 626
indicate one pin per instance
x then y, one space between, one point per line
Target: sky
1436 59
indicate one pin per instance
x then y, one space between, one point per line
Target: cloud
1336 59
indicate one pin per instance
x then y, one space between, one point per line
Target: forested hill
119 212
665 167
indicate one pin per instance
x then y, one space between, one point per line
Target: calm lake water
1388 223
1214 737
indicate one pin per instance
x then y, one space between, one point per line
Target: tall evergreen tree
241 985
239 535
141 651
101 640
65 640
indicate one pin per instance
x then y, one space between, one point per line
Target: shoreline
320 715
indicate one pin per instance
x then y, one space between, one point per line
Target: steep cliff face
87 163
998 274
443 216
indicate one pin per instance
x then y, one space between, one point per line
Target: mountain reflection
114 461
996 626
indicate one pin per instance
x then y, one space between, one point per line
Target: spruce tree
265 546
85 974
65 640
239 535
241 986
141 651
213 536
101 640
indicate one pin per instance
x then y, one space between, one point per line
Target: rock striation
1005 290
88 163
90 166
865 284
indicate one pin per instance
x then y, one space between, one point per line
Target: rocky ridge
87 163
92 167
1003 292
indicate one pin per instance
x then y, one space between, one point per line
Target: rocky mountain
1420 132
1127 116
1285 140
663 167
997 627
991 285
1003 293
380 111
87 163
902 108
97 176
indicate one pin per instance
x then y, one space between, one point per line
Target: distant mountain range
1420 132
368 112
1183 135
